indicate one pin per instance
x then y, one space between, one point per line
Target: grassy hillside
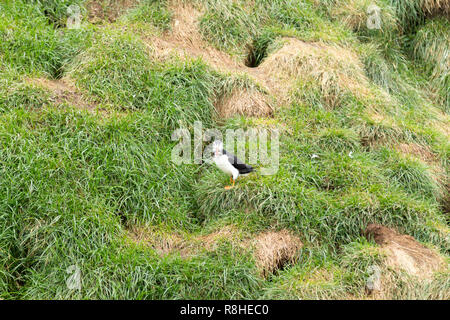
86 177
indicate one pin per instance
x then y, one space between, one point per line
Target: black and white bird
229 163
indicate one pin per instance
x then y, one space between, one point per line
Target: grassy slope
73 180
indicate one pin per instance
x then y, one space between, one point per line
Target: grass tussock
132 78
355 14
404 253
31 45
152 12
332 68
273 250
241 96
431 47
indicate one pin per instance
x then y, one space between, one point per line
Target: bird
229 163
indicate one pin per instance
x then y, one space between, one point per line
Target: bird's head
218 148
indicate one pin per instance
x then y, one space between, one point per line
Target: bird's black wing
238 164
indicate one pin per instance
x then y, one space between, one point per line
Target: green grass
124 77
118 272
31 45
18 94
73 181
320 275
410 174
227 25
57 11
410 13
431 50
150 11
233 26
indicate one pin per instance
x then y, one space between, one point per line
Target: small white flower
314 156
351 154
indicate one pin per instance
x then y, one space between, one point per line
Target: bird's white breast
224 165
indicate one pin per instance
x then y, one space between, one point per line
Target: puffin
229 163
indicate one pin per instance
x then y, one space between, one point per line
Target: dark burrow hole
53 20
282 265
57 72
123 218
257 52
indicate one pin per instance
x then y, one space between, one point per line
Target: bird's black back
238 164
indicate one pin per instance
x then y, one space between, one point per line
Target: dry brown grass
209 241
166 242
351 13
434 7
421 152
272 249
442 126
107 10
63 91
248 102
406 261
185 40
354 14
334 68
275 249
404 253
376 116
